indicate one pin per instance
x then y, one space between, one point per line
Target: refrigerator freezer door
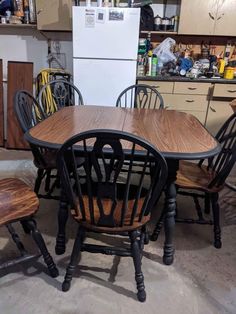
110 33
101 81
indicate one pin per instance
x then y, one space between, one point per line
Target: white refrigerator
105 45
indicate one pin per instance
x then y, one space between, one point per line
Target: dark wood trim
20 76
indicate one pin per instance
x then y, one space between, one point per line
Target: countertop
185 79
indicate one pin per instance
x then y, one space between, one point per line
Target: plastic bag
163 51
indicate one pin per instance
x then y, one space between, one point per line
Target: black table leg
168 213
62 220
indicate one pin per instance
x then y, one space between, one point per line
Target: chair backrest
140 96
58 94
29 113
225 160
104 190
28 110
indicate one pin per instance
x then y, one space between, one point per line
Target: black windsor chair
106 201
207 178
140 96
29 113
58 94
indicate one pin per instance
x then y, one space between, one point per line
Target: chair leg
31 224
198 208
38 180
158 227
74 259
146 234
216 220
25 227
16 239
136 254
47 180
207 201
62 217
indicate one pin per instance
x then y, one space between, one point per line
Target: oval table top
176 134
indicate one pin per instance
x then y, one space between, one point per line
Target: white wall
32 46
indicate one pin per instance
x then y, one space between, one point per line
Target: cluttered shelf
169 78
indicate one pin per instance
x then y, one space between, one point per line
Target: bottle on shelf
19 8
154 65
32 12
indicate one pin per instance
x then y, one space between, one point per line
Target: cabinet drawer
185 102
191 88
225 90
162 87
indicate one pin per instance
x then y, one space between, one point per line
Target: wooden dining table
177 135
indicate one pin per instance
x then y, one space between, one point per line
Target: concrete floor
202 279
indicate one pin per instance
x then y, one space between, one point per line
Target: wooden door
1 107
226 18
197 17
20 76
54 15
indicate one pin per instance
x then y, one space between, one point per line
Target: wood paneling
1 107
20 76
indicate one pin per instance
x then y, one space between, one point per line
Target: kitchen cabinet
54 15
219 108
211 17
197 17
218 112
187 97
225 24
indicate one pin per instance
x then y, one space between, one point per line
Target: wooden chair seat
18 203
16 200
117 216
193 176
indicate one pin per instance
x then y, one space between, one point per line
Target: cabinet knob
39 11
212 109
231 90
192 88
188 100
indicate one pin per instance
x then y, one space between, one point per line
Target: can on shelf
229 73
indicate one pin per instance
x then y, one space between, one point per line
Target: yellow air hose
45 76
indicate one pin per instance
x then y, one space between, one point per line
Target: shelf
34 26
159 32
